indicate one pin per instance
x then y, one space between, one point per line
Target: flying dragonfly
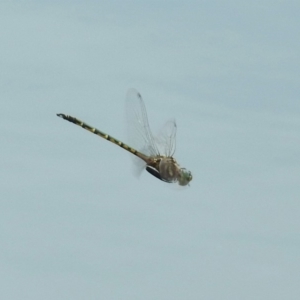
155 153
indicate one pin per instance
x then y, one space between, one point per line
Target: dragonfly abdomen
102 134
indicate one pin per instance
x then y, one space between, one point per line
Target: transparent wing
141 137
139 133
166 139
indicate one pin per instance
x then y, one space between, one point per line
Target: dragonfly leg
155 173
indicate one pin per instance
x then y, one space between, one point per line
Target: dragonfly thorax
169 169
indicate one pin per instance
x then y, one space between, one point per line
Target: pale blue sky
76 224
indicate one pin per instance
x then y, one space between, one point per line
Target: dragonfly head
184 177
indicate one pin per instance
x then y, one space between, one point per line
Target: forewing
138 130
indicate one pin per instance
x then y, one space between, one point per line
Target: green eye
185 177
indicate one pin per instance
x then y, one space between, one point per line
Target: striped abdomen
103 135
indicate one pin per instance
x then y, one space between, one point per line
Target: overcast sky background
76 224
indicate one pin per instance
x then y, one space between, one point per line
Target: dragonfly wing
166 139
139 133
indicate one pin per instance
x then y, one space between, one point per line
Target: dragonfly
155 153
